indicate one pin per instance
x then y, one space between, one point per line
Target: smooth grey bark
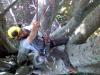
47 17
85 55
88 26
1 7
10 6
3 38
12 13
4 41
75 21
76 51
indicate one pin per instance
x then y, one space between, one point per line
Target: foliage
65 12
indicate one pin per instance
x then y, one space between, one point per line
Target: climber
30 41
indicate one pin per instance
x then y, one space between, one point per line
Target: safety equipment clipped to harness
13 31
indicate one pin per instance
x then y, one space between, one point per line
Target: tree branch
88 26
76 19
74 22
6 44
10 6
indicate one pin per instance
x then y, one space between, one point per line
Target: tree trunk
5 46
47 13
85 56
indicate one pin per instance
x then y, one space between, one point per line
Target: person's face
22 34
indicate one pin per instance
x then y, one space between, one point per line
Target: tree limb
6 44
88 26
10 6
75 20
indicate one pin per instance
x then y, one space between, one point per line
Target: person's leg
58 41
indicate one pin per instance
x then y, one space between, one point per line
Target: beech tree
83 53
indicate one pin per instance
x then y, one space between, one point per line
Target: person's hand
33 32
36 25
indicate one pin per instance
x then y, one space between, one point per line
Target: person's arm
33 32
